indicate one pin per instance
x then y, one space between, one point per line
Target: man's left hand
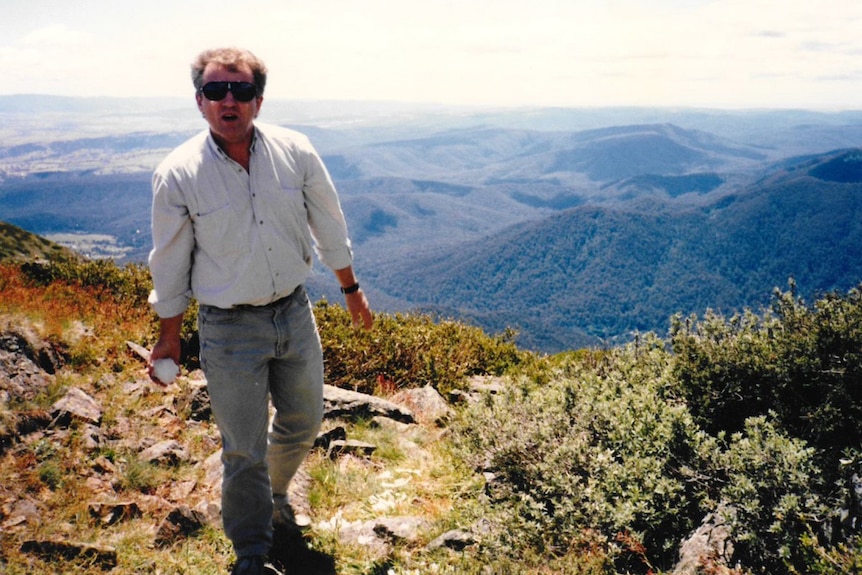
359 310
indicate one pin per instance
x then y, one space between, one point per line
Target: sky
679 53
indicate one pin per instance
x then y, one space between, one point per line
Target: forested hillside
19 244
605 272
572 226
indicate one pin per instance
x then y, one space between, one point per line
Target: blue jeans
249 355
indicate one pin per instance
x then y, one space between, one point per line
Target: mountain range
573 227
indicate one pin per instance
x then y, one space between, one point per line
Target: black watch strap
350 289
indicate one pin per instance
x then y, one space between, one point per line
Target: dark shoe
254 565
285 519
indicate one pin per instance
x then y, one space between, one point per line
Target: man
237 211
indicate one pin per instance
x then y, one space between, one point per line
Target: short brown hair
231 58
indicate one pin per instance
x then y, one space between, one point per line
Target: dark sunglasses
242 91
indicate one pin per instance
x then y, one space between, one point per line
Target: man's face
231 121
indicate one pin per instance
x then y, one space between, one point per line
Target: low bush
130 283
771 484
600 449
802 363
90 323
404 350
609 450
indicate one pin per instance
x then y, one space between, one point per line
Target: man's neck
239 152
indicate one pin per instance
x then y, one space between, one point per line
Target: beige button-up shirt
229 237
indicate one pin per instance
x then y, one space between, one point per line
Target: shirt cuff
336 259
169 308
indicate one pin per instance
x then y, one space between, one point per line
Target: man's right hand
168 346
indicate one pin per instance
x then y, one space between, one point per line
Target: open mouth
229 117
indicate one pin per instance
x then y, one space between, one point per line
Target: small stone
179 524
76 404
58 551
350 446
110 513
456 539
169 452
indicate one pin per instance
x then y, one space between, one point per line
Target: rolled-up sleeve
325 216
229 236
170 260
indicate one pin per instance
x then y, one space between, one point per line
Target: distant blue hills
594 273
575 227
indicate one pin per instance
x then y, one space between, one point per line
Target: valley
574 227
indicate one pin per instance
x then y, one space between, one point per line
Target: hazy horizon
726 54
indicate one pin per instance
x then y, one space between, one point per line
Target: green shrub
802 363
609 448
138 475
404 350
130 283
840 560
772 484
51 473
603 448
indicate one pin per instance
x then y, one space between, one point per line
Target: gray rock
708 548
379 534
181 522
325 438
169 452
21 511
76 404
343 403
110 513
457 539
426 403
92 436
351 447
213 468
397 529
59 551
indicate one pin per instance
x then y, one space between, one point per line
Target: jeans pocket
210 315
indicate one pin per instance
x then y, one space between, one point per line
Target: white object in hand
165 370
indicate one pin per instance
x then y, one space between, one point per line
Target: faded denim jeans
249 355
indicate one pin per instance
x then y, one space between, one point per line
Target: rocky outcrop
180 510
428 405
346 404
27 362
709 550
76 404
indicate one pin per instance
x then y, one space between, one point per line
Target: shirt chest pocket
290 211
289 206
221 230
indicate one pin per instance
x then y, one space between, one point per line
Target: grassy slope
16 243
411 473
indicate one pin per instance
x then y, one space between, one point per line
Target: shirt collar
221 153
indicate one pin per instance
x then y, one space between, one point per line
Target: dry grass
90 322
411 473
